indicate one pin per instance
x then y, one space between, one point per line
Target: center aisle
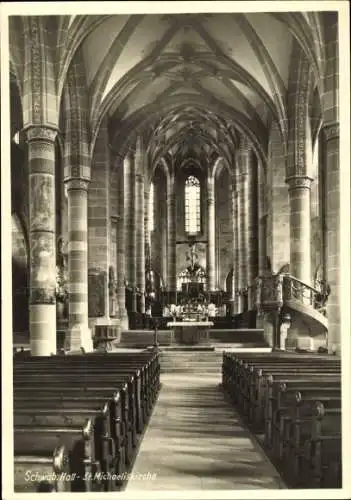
196 440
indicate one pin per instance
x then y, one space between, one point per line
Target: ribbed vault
190 83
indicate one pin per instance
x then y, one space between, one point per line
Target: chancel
175 185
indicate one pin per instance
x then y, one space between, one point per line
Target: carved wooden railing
272 291
295 289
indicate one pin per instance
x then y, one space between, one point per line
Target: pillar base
42 321
124 320
266 322
77 337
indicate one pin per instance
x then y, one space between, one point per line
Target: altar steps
243 337
193 362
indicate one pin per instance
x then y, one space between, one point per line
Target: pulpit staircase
283 294
308 314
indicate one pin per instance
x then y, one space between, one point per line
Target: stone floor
195 440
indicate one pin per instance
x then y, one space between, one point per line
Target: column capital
79 172
76 184
244 145
331 130
39 133
299 182
242 170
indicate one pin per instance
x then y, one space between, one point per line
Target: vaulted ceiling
191 81
191 76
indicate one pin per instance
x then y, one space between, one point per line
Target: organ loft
175 193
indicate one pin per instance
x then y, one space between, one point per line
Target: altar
191 332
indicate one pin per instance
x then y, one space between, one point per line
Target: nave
196 440
135 420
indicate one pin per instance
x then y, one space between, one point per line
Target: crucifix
192 255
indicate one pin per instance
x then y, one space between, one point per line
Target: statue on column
284 327
112 287
61 281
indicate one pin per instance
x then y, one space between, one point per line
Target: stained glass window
192 205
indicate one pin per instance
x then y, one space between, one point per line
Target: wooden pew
79 442
284 395
104 444
276 377
75 389
81 403
80 376
255 398
326 447
304 462
243 381
264 389
45 472
70 390
93 379
149 374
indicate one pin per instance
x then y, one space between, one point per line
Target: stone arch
146 115
39 82
299 94
75 117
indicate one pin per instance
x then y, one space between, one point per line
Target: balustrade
270 292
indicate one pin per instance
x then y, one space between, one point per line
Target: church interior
175 201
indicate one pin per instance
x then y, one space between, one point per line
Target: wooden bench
149 372
263 387
125 441
310 427
33 439
326 448
138 407
284 396
78 402
46 472
104 444
127 383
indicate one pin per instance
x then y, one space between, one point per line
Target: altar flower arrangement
173 311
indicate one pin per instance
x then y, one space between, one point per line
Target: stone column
147 234
128 210
262 243
161 217
332 201
121 263
133 233
252 230
79 334
211 237
300 227
235 248
140 238
130 233
238 254
243 215
171 236
243 182
42 240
